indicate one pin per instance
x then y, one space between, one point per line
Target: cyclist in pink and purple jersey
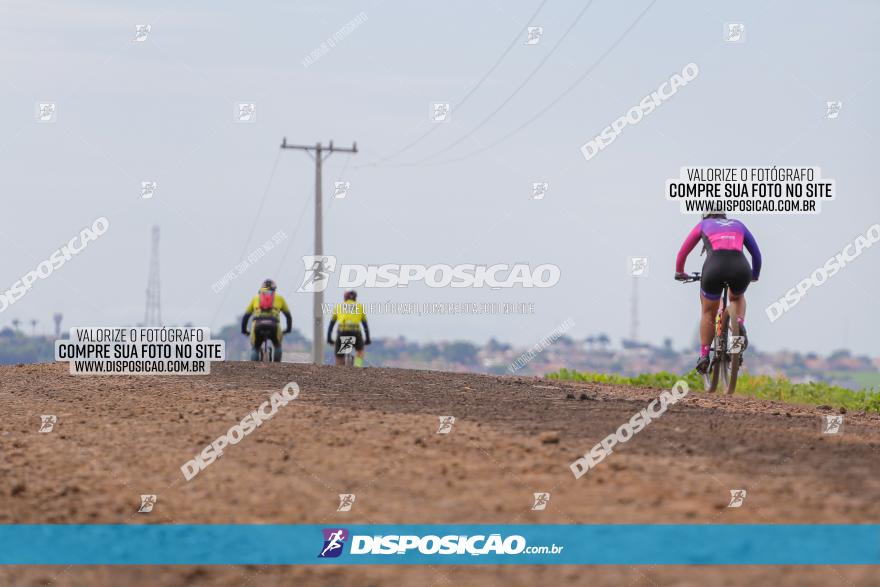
725 263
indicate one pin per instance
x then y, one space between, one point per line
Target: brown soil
373 433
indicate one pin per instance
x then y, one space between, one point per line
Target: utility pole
320 153
634 311
153 311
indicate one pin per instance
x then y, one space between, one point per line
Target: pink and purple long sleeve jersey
720 234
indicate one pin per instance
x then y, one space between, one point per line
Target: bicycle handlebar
692 278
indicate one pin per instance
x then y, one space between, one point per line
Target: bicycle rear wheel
730 373
710 377
732 362
266 352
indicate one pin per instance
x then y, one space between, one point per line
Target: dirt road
373 433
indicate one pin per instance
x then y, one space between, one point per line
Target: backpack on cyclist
267 300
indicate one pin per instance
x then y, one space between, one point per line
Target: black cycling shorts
730 267
265 329
358 340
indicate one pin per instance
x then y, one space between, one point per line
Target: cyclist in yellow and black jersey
350 316
266 307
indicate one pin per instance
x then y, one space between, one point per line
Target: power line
290 239
556 100
513 94
467 96
153 311
253 228
262 204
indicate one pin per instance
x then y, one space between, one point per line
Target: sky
165 110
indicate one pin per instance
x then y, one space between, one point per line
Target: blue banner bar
454 544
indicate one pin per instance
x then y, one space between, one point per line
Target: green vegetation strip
759 386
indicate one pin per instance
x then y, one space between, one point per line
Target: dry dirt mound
373 433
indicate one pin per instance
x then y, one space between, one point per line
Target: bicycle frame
723 362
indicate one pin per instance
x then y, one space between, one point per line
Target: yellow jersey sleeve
281 303
253 305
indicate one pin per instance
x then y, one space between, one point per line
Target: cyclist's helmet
350 295
714 215
268 284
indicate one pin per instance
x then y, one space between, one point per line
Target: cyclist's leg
711 286
737 311
739 275
708 310
359 350
340 359
276 344
255 344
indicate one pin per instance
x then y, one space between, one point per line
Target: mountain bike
727 347
266 330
